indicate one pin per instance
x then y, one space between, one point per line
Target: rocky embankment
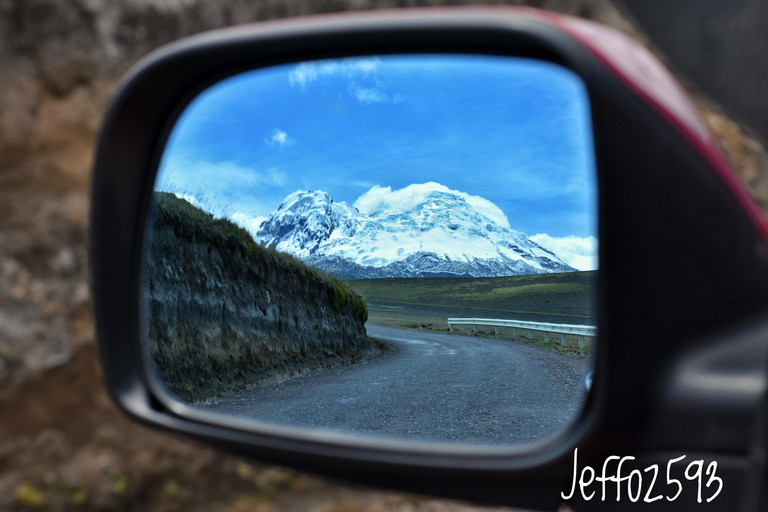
223 312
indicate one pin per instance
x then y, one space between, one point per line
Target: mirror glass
397 247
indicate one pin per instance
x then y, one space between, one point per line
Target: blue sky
513 131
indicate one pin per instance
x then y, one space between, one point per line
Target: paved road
434 387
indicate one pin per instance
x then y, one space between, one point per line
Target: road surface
433 387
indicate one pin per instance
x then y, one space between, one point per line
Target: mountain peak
305 198
419 230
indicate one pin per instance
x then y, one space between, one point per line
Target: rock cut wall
222 312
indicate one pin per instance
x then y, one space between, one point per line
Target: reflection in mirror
397 247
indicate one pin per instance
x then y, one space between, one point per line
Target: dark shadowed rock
223 312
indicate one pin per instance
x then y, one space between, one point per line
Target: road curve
434 387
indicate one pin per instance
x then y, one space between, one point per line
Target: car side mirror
263 195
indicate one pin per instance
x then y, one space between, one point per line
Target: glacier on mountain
438 232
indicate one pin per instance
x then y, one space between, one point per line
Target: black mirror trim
639 156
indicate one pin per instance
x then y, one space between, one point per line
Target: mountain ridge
437 234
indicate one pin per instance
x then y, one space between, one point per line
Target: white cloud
190 199
578 252
279 138
368 95
219 187
302 75
250 223
196 177
357 70
305 73
384 198
365 65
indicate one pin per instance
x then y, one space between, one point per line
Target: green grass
427 303
568 297
482 312
505 291
235 244
340 294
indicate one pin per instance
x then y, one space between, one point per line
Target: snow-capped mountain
437 233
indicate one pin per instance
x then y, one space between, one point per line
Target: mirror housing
682 295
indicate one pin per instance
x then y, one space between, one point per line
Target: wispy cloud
364 85
279 138
362 184
305 73
367 95
220 188
578 252
193 200
248 222
275 176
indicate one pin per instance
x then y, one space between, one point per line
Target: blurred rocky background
63 445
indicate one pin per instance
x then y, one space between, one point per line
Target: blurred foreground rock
63 445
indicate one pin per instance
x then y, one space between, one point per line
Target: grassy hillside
236 246
223 312
561 298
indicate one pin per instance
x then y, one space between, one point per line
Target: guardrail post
514 332
497 330
450 328
530 334
581 341
546 336
563 340
474 328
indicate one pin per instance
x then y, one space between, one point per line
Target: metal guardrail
562 329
